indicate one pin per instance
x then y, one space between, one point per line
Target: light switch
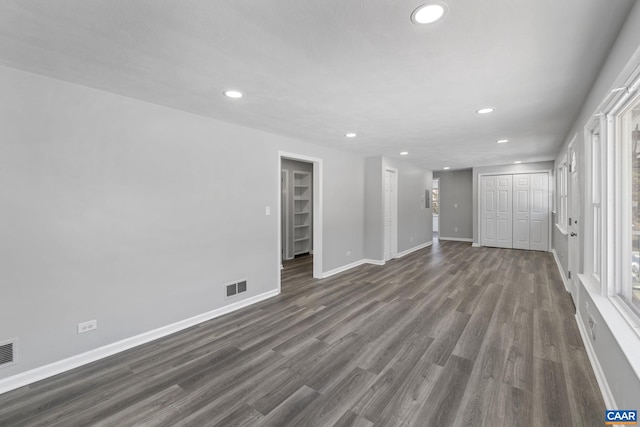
267 210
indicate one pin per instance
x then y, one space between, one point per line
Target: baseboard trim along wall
416 248
456 239
372 261
78 360
350 266
344 268
565 281
607 396
475 245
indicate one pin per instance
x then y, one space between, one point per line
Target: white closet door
521 207
504 212
489 202
539 212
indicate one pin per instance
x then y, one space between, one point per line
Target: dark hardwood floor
447 336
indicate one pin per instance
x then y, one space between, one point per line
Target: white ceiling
315 70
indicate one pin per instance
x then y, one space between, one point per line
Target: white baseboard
37 374
475 245
456 239
416 248
342 268
350 266
565 281
605 390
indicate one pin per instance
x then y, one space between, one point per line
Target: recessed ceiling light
517 162
502 141
485 110
350 135
404 153
446 168
428 13
233 94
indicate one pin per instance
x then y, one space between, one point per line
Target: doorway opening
300 214
435 205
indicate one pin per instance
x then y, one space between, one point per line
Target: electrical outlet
592 326
348 253
91 325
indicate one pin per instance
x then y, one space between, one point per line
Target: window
561 184
594 250
629 242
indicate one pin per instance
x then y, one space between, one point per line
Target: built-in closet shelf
301 210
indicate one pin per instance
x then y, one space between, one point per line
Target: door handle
573 234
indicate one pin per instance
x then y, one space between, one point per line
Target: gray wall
290 166
415 225
373 218
520 168
456 204
136 214
609 350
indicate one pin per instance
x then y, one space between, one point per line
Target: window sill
622 324
562 229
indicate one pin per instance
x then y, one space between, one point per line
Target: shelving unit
301 212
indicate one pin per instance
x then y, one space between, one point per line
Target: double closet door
515 211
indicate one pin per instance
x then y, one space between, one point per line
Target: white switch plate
267 210
87 326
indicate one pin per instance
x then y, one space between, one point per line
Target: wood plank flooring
447 336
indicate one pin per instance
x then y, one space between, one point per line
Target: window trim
617 214
562 193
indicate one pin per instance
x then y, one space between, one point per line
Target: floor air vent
236 288
7 353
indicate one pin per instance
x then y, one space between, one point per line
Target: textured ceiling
315 70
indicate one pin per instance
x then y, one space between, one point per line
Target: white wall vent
7 353
234 289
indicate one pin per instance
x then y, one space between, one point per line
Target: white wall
610 353
415 225
136 215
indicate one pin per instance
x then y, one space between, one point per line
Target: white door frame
284 216
479 194
393 238
317 211
573 215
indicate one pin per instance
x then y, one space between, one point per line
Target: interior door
539 212
504 212
521 208
574 219
488 203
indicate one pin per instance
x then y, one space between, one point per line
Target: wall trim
415 248
565 281
343 268
456 239
607 396
60 366
346 267
475 245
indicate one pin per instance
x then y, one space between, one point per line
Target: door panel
488 208
496 208
521 207
539 212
